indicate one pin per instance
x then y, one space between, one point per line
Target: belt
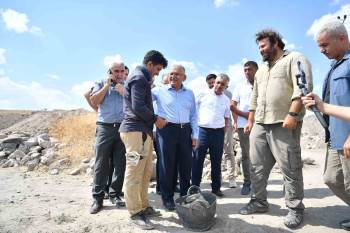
211 128
114 125
180 125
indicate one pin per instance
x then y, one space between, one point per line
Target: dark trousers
212 139
109 147
155 145
175 151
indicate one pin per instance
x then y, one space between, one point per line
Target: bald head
116 71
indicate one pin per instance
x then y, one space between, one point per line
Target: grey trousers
229 155
270 144
109 146
337 174
244 143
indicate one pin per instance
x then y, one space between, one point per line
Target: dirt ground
36 202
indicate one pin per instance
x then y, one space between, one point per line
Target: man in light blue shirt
176 140
108 96
334 43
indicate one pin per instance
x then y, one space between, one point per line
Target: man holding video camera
276 112
108 96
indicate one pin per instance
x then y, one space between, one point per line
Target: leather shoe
117 201
96 207
345 224
218 193
169 205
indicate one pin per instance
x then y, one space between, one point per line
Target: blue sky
52 51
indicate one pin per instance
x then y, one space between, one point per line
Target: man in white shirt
240 111
213 108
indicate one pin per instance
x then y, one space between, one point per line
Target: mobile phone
113 83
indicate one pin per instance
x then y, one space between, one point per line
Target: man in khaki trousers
136 133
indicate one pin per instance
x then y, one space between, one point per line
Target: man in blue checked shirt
178 138
108 96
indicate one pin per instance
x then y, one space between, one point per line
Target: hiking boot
294 218
232 183
151 212
254 206
141 221
96 207
345 224
245 189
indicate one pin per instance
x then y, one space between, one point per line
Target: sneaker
141 221
254 206
245 189
345 224
232 183
294 218
96 207
151 212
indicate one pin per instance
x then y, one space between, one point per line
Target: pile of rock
21 149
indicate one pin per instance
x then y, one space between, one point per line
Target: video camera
301 82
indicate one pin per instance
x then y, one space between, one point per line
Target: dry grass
78 133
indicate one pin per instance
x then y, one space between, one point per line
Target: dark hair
251 63
273 36
127 68
156 58
210 76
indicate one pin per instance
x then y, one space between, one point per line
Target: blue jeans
212 139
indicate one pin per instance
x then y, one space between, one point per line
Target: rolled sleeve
97 86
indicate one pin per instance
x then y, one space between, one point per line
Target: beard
269 55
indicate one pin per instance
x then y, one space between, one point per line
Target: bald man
176 104
108 96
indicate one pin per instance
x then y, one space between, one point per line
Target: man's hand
194 143
290 122
160 122
346 148
235 126
108 81
248 127
120 89
313 99
233 108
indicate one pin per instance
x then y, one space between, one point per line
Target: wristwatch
293 114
